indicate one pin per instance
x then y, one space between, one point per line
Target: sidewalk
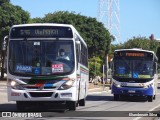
3 82
97 88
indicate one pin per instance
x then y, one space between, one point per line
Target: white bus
37 70
134 73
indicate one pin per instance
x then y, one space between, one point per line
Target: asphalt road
99 105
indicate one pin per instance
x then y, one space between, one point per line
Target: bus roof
137 49
52 24
42 24
134 49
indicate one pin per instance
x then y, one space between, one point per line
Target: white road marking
137 118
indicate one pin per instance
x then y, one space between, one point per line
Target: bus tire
72 105
116 97
20 105
2 73
150 98
154 97
82 102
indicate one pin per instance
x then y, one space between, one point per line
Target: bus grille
133 86
41 94
37 88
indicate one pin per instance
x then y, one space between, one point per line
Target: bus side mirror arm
4 44
78 44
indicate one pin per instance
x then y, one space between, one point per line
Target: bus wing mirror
78 43
4 44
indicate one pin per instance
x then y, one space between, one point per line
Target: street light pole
103 77
95 65
106 67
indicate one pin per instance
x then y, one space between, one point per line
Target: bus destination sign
135 54
41 31
132 54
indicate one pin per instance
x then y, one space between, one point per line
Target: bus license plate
131 91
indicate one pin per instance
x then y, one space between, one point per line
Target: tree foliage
37 20
142 42
95 65
10 15
4 1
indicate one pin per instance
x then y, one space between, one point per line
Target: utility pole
94 65
107 67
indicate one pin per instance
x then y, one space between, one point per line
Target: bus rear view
134 73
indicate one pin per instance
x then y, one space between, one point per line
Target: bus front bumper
41 95
131 91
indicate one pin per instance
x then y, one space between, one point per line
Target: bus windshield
137 69
44 57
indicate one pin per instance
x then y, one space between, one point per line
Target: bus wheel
72 105
20 105
82 102
154 97
150 98
116 97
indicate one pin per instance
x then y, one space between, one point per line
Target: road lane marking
97 92
3 88
94 89
137 118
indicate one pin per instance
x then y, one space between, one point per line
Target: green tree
9 15
37 20
4 1
95 65
142 42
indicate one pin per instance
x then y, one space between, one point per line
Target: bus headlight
16 85
68 84
117 85
13 83
146 86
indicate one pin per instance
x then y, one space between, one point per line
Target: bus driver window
62 55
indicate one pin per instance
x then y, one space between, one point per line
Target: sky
137 17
